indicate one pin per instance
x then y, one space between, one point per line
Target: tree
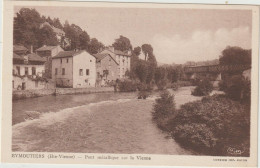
147 50
84 39
94 46
137 51
235 55
57 24
26 26
46 36
49 20
122 44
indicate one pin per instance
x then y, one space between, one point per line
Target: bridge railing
217 68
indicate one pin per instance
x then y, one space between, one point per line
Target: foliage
164 106
26 27
204 88
94 46
137 51
237 88
143 94
211 125
235 56
147 50
122 44
46 36
127 86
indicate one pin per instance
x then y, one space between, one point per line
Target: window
61 60
67 60
26 71
56 71
33 71
90 60
87 71
63 71
80 72
18 70
13 84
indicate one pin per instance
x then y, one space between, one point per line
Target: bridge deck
217 68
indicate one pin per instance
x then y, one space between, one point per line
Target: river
93 123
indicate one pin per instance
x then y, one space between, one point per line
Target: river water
93 123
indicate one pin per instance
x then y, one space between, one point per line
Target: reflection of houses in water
28 69
74 69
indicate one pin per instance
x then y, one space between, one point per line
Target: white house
74 69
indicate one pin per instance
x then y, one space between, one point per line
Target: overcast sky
177 35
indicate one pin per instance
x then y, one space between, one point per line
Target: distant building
48 52
107 68
122 58
74 69
60 35
20 50
27 71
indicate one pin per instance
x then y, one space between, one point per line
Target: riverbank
24 94
115 123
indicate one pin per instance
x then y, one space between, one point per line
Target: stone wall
23 94
61 91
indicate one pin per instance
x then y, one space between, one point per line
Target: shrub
238 88
144 87
161 85
127 86
143 94
204 88
184 83
164 106
212 125
175 86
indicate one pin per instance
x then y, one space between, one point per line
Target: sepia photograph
132 80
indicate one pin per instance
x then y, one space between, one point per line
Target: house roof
31 57
55 30
35 57
17 57
101 56
118 52
46 48
19 48
63 54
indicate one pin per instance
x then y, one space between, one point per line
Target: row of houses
51 65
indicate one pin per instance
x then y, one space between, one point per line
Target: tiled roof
100 56
31 57
35 57
17 57
19 48
46 48
118 52
63 54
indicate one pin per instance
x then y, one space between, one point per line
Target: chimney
31 49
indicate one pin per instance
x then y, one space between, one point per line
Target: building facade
48 52
74 69
122 58
107 69
27 72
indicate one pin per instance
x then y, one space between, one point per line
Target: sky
176 35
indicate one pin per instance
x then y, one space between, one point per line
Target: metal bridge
216 68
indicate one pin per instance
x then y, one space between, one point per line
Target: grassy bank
215 125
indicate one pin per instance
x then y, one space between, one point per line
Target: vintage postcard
130 84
